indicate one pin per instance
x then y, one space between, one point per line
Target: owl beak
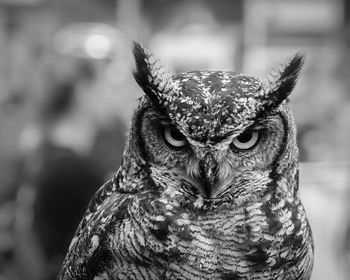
208 170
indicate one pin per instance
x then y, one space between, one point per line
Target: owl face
222 133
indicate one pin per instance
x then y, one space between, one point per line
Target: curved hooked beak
208 171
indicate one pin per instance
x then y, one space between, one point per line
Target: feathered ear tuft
289 76
279 89
151 76
293 68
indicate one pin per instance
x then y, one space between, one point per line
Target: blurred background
67 94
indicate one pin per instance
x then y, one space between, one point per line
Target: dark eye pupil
245 137
176 134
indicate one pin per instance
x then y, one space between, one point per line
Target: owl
208 184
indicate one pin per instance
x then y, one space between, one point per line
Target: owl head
214 134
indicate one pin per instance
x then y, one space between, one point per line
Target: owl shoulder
90 247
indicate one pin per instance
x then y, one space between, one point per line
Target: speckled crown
212 97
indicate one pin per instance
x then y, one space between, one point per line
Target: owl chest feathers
177 235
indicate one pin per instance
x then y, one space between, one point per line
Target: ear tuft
142 70
283 85
151 76
292 69
289 75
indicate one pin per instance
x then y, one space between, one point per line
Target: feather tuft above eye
289 76
293 68
281 87
151 75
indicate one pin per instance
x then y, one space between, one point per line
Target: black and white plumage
208 185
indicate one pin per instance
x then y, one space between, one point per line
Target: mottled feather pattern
151 75
154 221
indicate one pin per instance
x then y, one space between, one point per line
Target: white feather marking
95 242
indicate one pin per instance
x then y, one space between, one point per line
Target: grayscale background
67 95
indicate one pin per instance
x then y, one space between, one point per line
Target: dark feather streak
287 80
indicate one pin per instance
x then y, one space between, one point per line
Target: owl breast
181 238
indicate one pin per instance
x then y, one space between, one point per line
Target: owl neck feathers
134 166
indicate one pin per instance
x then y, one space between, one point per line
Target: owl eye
174 138
246 140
